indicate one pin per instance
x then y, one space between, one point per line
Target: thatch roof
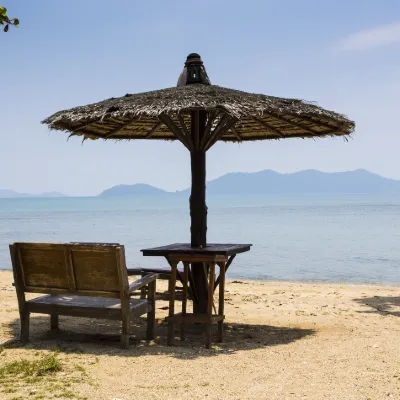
246 116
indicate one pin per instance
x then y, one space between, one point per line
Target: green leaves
4 20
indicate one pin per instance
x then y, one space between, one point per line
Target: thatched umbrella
199 114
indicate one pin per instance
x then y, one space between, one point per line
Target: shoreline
291 281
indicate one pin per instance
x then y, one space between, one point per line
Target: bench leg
53 321
151 315
125 331
172 284
24 316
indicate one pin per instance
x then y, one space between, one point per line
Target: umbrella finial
194 71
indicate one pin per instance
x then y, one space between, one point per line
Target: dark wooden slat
171 288
229 124
70 270
55 291
167 120
86 311
236 133
212 115
73 301
221 300
219 128
185 130
179 275
142 282
293 123
227 265
185 296
84 126
268 127
119 128
320 122
151 314
150 133
210 302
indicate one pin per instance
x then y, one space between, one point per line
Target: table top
185 248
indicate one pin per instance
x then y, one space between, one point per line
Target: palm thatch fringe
166 115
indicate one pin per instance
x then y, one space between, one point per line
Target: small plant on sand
38 378
43 366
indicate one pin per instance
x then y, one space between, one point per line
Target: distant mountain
139 189
10 194
264 182
303 182
270 182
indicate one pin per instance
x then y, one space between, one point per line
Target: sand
284 340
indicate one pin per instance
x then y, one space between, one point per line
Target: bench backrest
66 268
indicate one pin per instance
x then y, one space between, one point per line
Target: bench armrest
142 282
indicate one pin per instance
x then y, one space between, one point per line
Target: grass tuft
45 365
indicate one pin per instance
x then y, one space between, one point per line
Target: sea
330 238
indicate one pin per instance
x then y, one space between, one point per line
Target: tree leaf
3 12
6 28
16 22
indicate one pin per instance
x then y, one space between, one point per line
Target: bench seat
86 306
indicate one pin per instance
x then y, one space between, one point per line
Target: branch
5 20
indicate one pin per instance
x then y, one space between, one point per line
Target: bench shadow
101 337
381 305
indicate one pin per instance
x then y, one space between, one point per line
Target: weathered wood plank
185 248
144 281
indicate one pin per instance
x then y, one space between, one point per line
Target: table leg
222 270
227 265
185 295
210 299
172 284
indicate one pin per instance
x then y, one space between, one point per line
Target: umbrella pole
198 209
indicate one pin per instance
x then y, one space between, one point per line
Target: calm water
342 238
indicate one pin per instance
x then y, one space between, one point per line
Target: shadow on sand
87 336
381 305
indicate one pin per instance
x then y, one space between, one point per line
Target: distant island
264 182
12 194
270 182
140 189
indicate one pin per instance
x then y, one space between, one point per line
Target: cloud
371 38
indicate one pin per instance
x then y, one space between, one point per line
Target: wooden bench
81 280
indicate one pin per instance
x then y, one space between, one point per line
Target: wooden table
212 255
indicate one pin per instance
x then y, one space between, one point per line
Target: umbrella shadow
98 337
383 305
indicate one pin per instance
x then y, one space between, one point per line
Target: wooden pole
198 207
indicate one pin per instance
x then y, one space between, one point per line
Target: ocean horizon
332 238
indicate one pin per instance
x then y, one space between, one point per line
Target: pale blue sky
343 54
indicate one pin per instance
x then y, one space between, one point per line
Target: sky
343 55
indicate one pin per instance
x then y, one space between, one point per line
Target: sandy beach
284 340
